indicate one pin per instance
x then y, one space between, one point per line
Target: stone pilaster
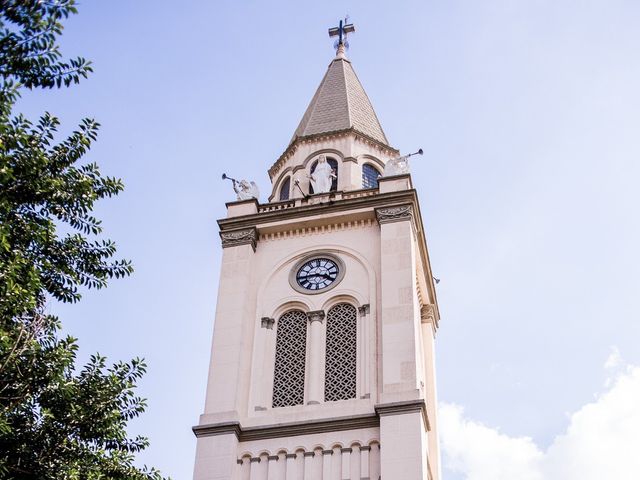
316 360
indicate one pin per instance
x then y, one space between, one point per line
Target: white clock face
317 273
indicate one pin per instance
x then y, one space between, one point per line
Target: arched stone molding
349 296
314 302
275 190
329 152
373 161
280 308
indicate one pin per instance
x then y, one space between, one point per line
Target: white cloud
614 360
602 441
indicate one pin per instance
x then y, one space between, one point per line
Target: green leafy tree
57 421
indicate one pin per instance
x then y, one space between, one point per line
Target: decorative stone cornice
401 408
309 454
223 428
364 309
327 452
315 316
245 236
346 450
316 230
349 203
267 323
273 457
280 430
398 213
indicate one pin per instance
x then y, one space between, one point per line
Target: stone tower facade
322 363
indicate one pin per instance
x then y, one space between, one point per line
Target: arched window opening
291 350
370 176
334 182
284 189
340 359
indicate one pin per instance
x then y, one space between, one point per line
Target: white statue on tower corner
322 176
396 166
399 165
246 190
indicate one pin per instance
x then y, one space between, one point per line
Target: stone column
291 472
336 461
400 316
374 462
364 332
403 421
234 323
356 459
266 325
243 470
364 462
429 325
255 468
346 464
316 360
308 465
326 464
272 472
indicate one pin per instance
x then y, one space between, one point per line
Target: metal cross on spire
341 32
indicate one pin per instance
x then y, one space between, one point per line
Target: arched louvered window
291 349
334 182
370 176
340 360
284 189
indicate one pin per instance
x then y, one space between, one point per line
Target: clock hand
315 275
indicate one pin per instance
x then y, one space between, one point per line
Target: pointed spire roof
340 103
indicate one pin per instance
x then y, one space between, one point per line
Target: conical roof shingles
340 103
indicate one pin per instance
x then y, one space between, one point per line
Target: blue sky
529 115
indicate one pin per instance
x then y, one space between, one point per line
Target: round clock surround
316 273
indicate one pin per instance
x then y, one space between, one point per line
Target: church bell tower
322 362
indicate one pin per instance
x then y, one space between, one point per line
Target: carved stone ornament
394 214
428 313
233 238
315 316
267 323
364 310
